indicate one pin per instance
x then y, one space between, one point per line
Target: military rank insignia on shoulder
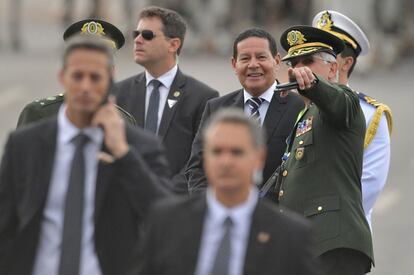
50 100
373 126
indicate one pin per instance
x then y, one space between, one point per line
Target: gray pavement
33 74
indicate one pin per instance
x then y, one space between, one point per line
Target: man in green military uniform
47 107
320 177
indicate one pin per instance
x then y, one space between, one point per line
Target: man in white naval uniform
378 116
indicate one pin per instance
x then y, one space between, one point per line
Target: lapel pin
263 237
171 102
105 157
176 94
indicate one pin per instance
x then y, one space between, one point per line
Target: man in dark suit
73 189
321 176
162 99
227 230
255 61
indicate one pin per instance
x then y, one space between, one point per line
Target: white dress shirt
213 232
267 96
166 80
48 251
376 161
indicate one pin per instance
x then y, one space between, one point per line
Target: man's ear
175 44
278 61
347 63
333 68
262 152
233 63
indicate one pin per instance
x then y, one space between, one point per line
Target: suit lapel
192 234
137 97
174 97
38 189
258 239
238 100
102 181
274 113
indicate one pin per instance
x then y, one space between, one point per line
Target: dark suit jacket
178 125
49 107
278 123
321 179
124 191
278 243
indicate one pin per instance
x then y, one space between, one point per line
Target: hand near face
303 75
113 125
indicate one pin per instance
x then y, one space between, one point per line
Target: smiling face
255 66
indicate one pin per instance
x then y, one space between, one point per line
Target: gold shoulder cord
373 126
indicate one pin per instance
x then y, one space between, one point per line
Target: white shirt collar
166 79
67 130
219 212
267 95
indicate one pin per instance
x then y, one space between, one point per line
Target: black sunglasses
146 34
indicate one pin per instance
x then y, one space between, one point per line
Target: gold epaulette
376 118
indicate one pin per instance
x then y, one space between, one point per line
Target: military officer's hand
114 128
303 75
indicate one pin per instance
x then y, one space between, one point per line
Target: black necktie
72 224
254 104
222 260
151 121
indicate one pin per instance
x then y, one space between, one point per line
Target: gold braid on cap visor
344 37
308 47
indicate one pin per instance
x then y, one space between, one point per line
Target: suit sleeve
180 179
8 218
338 104
146 257
144 174
306 263
197 180
28 115
375 166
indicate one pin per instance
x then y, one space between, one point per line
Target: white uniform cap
344 28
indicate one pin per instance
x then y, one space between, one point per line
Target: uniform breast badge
304 126
300 152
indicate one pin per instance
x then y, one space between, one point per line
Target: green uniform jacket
48 107
321 178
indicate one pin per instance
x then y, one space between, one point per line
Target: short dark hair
174 26
236 116
89 42
255 32
348 51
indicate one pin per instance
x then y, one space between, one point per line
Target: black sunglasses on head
146 34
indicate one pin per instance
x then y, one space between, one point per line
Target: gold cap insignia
295 38
176 94
92 28
325 22
263 237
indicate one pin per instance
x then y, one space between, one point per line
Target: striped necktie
254 104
